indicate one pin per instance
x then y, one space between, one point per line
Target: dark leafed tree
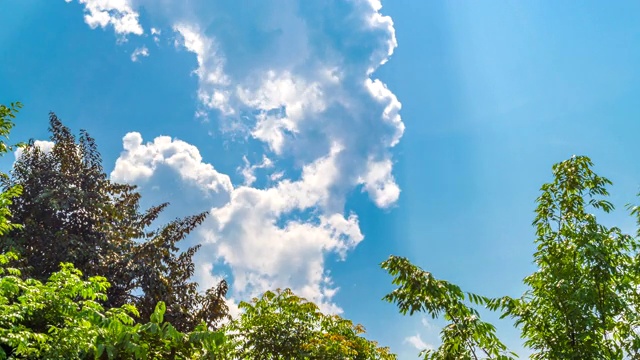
71 212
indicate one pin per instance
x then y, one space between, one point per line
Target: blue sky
280 119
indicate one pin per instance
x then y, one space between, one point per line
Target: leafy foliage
64 319
465 336
281 325
7 115
581 303
73 213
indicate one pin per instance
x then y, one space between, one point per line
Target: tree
281 325
581 303
73 213
465 336
63 318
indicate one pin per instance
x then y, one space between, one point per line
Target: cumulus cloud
210 69
378 181
248 170
417 342
116 13
138 52
306 84
253 231
43 145
155 34
297 80
138 162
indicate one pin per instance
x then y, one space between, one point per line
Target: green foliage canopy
63 319
281 325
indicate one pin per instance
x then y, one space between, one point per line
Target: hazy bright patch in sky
282 118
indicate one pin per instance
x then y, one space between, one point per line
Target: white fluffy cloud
301 90
139 161
43 145
417 342
155 34
210 69
297 79
248 170
138 52
116 13
252 231
379 182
